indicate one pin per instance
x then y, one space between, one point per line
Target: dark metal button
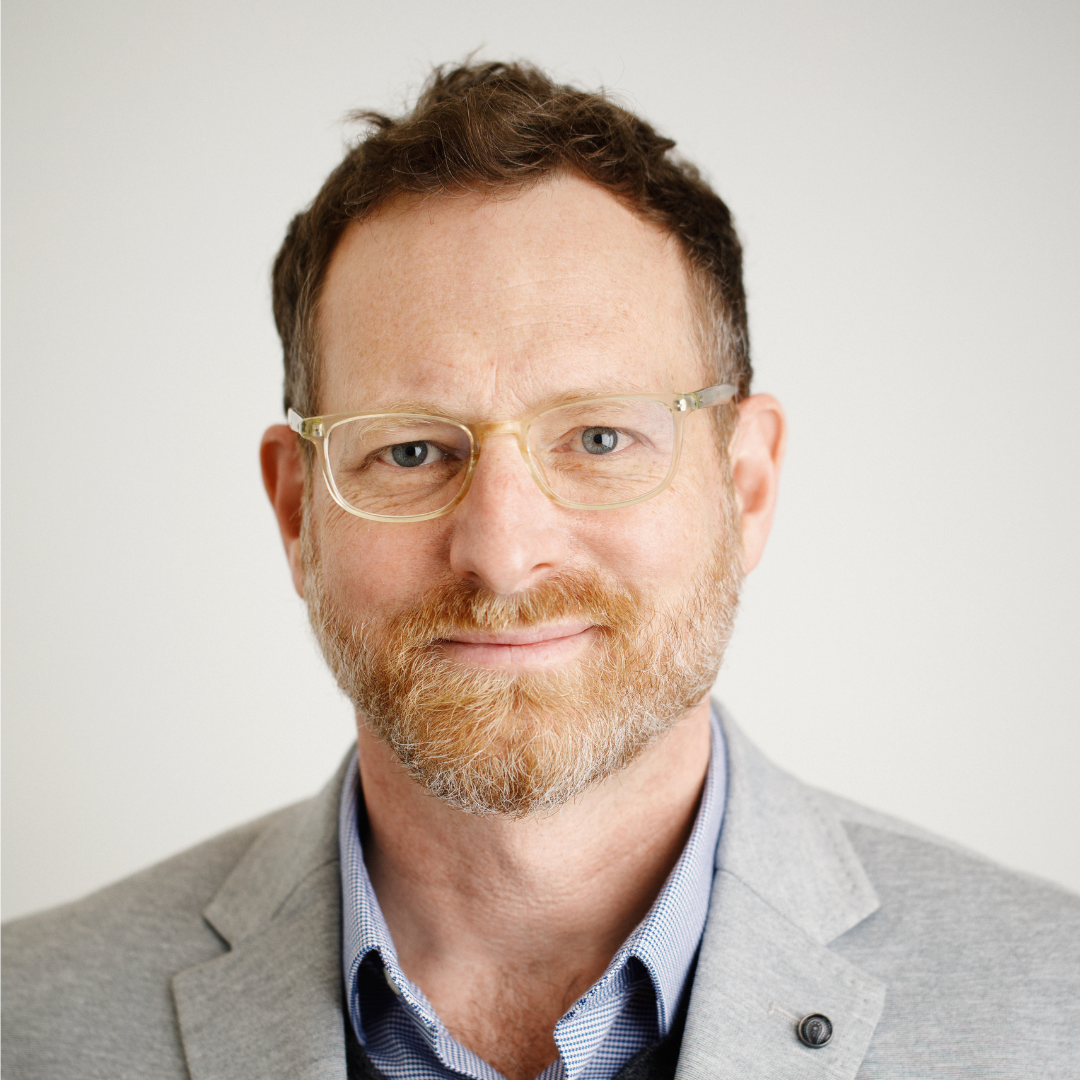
814 1030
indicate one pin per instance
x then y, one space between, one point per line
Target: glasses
596 453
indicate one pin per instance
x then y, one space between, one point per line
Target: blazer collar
788 883
272 1005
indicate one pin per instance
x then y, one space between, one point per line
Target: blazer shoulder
172 890
898 851
92 977
964 946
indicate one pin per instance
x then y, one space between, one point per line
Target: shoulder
987 955
908 864
91 979
165 899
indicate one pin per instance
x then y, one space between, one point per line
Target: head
509 244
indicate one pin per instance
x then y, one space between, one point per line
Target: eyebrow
574 393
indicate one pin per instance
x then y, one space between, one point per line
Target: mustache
458 606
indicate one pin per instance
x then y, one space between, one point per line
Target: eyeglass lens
591 453
603 452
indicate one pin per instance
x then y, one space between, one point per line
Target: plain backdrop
905 178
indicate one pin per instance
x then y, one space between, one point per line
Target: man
521 481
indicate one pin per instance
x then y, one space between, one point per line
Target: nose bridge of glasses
494 428
497 427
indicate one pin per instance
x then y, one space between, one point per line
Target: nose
506 533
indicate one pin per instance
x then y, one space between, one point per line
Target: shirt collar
365 928
665 942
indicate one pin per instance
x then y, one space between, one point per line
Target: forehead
490 306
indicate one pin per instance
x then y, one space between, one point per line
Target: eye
411 454
600 440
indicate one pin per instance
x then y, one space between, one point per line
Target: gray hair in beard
517 744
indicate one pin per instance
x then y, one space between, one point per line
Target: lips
531 635
529 647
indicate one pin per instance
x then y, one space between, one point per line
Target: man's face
514 651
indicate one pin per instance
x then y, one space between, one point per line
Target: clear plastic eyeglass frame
317 430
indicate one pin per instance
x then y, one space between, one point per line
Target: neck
473 903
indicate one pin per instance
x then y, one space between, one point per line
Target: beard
492 741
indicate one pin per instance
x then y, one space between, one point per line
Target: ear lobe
283 477
757 452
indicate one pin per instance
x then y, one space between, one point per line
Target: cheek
655 547
676 533
371 567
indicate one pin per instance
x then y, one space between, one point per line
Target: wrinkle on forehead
497 304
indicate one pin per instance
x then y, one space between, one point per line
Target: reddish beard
492 741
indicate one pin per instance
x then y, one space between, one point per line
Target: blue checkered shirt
629 1007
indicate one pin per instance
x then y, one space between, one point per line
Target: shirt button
390 982
814 1030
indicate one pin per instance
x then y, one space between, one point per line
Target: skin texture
485 309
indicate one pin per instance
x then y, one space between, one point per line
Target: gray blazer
225 962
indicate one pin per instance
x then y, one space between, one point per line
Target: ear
757 452
283 477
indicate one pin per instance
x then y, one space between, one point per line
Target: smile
529 647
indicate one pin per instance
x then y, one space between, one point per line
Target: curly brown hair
492 127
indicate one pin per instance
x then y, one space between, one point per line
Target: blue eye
410 454
600 440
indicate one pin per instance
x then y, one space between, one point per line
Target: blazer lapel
271 1007
788 883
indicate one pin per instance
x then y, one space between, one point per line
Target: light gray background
905 178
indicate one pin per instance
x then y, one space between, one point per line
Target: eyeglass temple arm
305 428
720 394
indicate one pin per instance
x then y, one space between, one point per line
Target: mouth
525 648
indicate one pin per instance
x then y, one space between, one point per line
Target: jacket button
814 1030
